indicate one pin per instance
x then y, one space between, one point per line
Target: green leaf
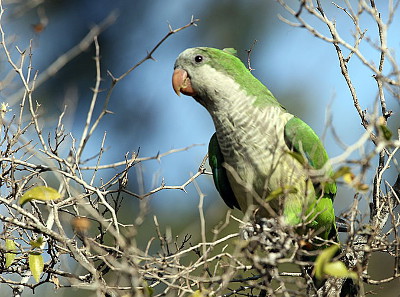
150 290
350 179
324 257
197 293
36 243
323 265
338 269
361 187
36 265
387 134
39 193
344 170
10 246
383 129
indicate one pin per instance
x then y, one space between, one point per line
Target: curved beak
181 83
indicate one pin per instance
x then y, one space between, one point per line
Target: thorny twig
380 208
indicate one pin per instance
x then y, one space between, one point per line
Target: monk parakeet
261 155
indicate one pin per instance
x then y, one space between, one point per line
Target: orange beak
181 83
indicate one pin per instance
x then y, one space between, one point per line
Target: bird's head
214 76
203 72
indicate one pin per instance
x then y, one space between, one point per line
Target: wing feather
216 161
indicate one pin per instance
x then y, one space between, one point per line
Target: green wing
300 138
216 159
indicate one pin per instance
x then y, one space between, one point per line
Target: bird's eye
198 58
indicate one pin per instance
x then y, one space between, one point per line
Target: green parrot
262 157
